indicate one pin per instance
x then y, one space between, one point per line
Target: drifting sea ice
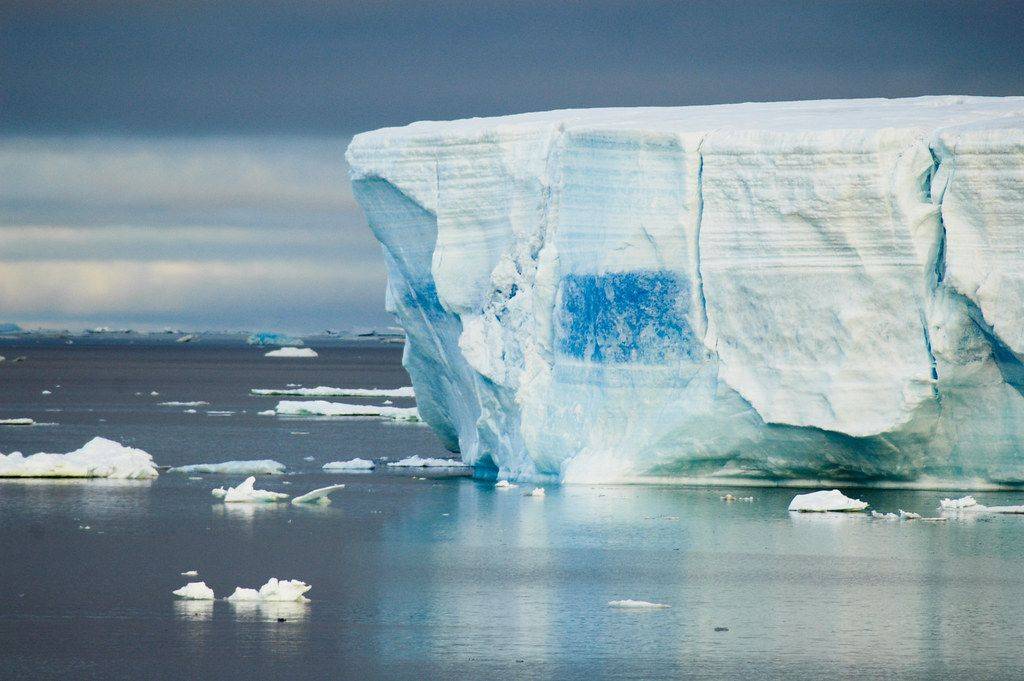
825 500
98 458
196 403
970 505
274 591
350 465
317 496
195 591
190 573
325 391
292 352
637 605
246 494
324 408
505 484
256 467
17 422
535 492
420 462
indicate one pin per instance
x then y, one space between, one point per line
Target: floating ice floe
259 467
47 392
825 500
637 605
324 408
195 591
196 403
266 412
98 458
970 505
190 573
274 591
154 393
325 391
350 465
535 492
16 422
219 413
317 496
308 458
420 462
292 352
884 516
731 498
245 494
505 484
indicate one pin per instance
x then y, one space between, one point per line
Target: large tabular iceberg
800 291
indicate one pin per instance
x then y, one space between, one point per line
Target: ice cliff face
828 291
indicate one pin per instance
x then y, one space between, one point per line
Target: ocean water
447 577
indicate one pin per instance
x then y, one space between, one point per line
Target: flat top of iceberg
421 462
351 464
98 458
826 500
195 591
326 391
292 352
639 605
257 467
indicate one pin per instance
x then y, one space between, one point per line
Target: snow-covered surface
325 391
825 500
195 591
745 292
98 458
17 422
324 408
246 494
274 591
320 495
292 352
351 464
256 467
637 605
417 461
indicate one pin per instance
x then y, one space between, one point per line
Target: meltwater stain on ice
623 317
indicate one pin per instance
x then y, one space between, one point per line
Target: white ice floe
967 503
884 516
154 393
274 591
317 496
325 391
266 412
292 352
195 591
309 458
505 484
350 465
637 605
730 498
420 462
245 494
909 515
219 413
190 573
257 467
825 500
98 458
196 403
16 422
535 492
47 392
324 408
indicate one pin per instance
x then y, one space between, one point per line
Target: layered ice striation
793 292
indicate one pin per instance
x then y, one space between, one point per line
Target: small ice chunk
219 413
190 411
154 393
196 403
351 464
309 458
246 494
505 484
274 591
292 352
884 516
420 462
535 492
967 503
47 392
825 500
325 391
219 492
16 422
98 458
388 402
1005 509
324 408
637 605
256 467
190 573
317 496
909 515
266 412
195 591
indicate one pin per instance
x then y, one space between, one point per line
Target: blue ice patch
638 316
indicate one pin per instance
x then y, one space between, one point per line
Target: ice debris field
816 293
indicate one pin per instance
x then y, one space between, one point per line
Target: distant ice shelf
826 293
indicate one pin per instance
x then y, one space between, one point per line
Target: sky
181 163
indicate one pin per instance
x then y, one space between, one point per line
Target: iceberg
324 408
258 467
274 591
824 501
325 391
292 352
317 496
271 338
195 591
417 461
17 422
819 293
351 464
98 458
637 605
245 494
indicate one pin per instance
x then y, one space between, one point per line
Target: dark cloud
339 67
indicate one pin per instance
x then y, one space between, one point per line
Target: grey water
447 577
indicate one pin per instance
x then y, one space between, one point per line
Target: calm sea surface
447 577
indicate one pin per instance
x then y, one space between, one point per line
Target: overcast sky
180 163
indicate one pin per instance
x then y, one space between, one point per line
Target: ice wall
790 292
